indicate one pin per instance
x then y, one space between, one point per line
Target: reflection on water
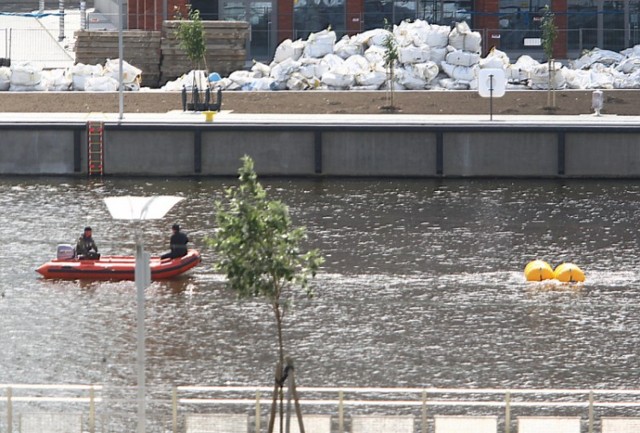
422 286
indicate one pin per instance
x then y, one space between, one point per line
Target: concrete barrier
326 149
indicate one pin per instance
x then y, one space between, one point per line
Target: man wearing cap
85 247
177 243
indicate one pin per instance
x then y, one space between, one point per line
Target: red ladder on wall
95 143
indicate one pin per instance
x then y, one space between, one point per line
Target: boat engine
65 252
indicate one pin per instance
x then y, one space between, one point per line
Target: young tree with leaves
260 252
191 37
549 35
390 60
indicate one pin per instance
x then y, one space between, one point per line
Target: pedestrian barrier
245 409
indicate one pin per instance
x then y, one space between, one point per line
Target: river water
422 286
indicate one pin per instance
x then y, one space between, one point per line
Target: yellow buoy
568 273
538 270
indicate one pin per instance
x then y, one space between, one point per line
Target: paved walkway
230 117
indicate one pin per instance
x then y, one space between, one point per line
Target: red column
285 20
559 9
486 22
353 11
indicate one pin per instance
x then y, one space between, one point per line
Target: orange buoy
538 270
568 273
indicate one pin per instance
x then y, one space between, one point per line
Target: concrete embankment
184 144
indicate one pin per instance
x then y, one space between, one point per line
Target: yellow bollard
208 116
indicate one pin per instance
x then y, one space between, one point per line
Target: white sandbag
227 84
526 63
515 74
418 31
540 79
375 54
601 80
631 81
289 50
260 70
283 70
242 78
437 55
130 74
80 73
26 74
496 59
466 73
451 84
462 58
596 55
320 44
409 80
57 80
330 61
629 65
260 84
577 79
374 37
338 78
428 70
375 76
357 64
462 38
299 82
438 36
347 47
412 54
402 34
39 87
5 78
101 84
308 67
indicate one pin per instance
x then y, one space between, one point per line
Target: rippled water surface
422 286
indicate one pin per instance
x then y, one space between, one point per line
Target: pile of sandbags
429 57
25 77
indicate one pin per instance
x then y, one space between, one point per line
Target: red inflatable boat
116 267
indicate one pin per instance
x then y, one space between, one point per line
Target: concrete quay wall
325 149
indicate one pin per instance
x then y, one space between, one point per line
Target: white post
61 25
83 15
41 6
120 68
143 278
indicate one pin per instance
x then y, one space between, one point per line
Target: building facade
510 25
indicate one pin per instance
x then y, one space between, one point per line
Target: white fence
225 409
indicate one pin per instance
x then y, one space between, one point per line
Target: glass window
520 20
311 16
582 21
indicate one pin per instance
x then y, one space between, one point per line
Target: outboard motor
65 252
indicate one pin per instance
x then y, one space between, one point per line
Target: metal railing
107 410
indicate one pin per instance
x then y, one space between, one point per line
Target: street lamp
140 209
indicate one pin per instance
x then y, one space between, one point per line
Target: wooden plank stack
141 49
159 54
225 43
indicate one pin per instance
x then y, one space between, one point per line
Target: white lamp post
120 65
139 209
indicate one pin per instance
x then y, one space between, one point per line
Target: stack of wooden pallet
141 49
225 44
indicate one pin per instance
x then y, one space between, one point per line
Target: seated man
177 243
86 248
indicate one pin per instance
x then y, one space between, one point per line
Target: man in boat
86 248
177 243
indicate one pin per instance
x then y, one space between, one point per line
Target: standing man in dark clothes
177 243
